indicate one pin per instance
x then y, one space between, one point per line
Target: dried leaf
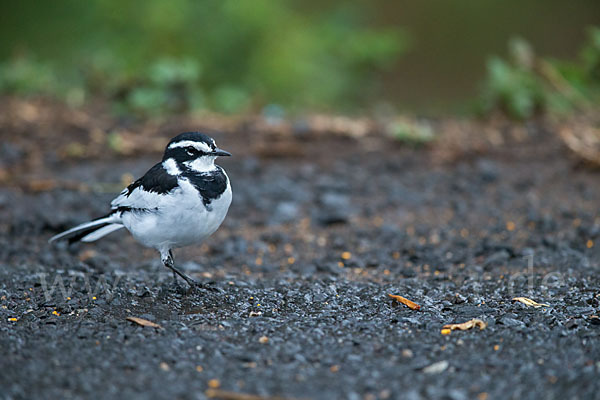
583 138
437 367
410 304
529 302
164 366
475 322
143 322
214 393
42 185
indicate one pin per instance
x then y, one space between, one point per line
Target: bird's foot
209 286
194 287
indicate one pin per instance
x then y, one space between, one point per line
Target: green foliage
24 76
153 56
591 55
526 84
514 85
514 89
411 132
167 85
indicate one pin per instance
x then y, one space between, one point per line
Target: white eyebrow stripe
189 143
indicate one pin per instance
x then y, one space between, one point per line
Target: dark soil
298 277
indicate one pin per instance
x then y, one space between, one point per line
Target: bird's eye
191 151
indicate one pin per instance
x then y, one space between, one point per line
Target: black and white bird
179 202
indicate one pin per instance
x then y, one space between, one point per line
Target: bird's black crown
194 137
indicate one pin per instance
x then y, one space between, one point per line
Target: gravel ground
298 277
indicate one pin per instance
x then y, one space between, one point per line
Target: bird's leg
173 264
169 263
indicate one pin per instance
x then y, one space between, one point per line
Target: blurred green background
151 57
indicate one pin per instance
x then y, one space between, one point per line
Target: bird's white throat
202 164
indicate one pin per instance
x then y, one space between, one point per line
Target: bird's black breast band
210 185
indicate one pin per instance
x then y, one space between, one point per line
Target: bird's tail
90 231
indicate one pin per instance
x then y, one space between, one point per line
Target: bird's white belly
181 219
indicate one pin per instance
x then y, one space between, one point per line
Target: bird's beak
223 153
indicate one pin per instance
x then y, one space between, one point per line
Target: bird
180 201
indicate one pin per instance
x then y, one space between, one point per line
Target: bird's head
193 151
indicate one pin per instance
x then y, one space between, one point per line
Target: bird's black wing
143 193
